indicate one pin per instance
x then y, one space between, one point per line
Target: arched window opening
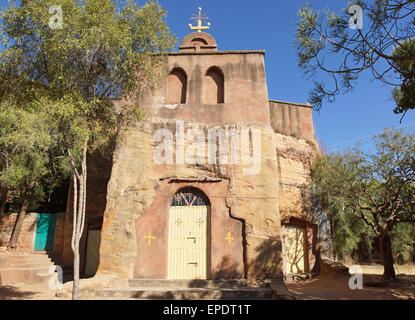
176 87
199 41
189 197
214 91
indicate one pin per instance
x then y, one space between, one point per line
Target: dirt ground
318 288
19 291
337 288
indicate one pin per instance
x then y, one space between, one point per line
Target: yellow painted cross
229 238
199 19
149 237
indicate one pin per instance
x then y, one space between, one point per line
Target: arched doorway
188 239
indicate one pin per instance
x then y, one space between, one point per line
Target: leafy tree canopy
30 158
101 52
341 45
76 69
377 188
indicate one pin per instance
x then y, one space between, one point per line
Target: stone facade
252 195
26 240
27 236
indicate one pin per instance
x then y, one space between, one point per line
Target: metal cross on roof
199 19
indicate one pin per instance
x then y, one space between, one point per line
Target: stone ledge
217 52
280 290
299 276
330 267
192 179
292 103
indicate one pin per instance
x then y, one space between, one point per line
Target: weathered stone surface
130 196
188 293
292 119
26 238
99 171
294 158
27 234
330 267
248 204
25 268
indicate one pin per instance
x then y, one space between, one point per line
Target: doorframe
306 225
92 224
95 228
208 232
35 233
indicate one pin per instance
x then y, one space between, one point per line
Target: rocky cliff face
136 180
253 191
294 158
250 184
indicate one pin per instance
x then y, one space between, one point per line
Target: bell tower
198 40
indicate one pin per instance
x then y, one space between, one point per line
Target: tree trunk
413 244
387 257
78 217
4 193
413 252
19 223
79 206
76 262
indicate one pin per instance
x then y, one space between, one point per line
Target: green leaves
329 44
403 240
29 151
57 86
368 193
377 187
307 45
102 52
404 96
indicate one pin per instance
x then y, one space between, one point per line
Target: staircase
34 268
25 268
66 269
160 289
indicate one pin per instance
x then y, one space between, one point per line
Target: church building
211 185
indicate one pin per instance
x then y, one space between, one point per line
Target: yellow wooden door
295 249
187 243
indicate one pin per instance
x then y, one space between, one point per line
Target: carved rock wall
136 180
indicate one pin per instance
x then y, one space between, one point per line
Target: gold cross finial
199 19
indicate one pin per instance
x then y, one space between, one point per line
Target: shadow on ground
337 288
11 293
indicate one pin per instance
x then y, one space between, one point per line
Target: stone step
23 258
25 268
24 264
28 256
194 283
39 275
299 276
246 293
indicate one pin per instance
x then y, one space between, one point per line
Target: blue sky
270 25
